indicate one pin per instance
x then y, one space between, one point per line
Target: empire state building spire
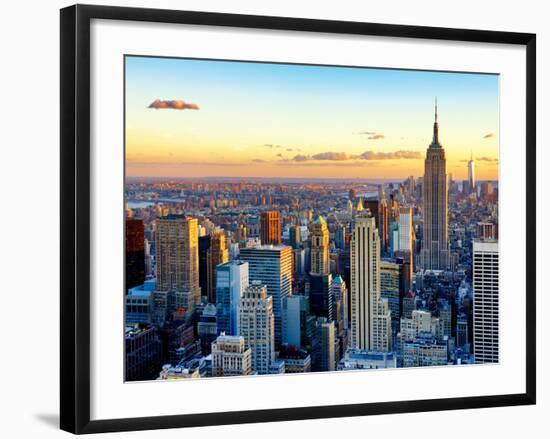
435 141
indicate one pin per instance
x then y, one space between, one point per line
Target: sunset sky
194 118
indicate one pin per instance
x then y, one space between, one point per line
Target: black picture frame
75 217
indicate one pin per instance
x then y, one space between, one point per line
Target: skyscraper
471 175
270 229
217 254
486 303
391 289
135 253
294 236
405 229
231 281
435 246
271 265
257 325
178 259
323 355
319 246
370 316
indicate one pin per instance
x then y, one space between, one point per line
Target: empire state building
435 253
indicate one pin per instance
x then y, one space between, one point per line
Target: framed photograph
273 218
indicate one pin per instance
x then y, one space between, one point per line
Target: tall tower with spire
471 174
435 253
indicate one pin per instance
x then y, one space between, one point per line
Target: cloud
174 104
337 156
489 135
289 149
280 155
487 159
258 161
271 145
376 137
367 133
299 158
377 155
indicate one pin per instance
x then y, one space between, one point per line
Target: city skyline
199 118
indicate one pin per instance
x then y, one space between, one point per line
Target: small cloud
174 104
489 135
367 133
280 155
299 158
258 160
487 159
289 149
337 156
376 137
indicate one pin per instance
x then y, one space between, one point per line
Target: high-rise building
178 259
204 246
231 281
270 229
230 356
372 205
405 229
471 175
340 236
207 328
370 316
319 246
340 294
486 301
272 266
217 254
383 230
391 289
135 253
143 352
435 246
324 344
295 236
257 325
486 230
321 295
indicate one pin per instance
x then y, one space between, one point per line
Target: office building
324 344
370 315
143 352
230 357
217 254
319 237
357 359
485 273
391 289
296 360
207 328
178 259
270 228
231 281
135 253
272 266
257 326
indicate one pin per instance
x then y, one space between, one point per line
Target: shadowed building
270 227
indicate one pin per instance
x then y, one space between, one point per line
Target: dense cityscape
252 276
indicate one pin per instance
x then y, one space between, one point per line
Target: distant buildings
257 326
296 360
270 229
486 301
271 265
230 357
471 175
424 351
